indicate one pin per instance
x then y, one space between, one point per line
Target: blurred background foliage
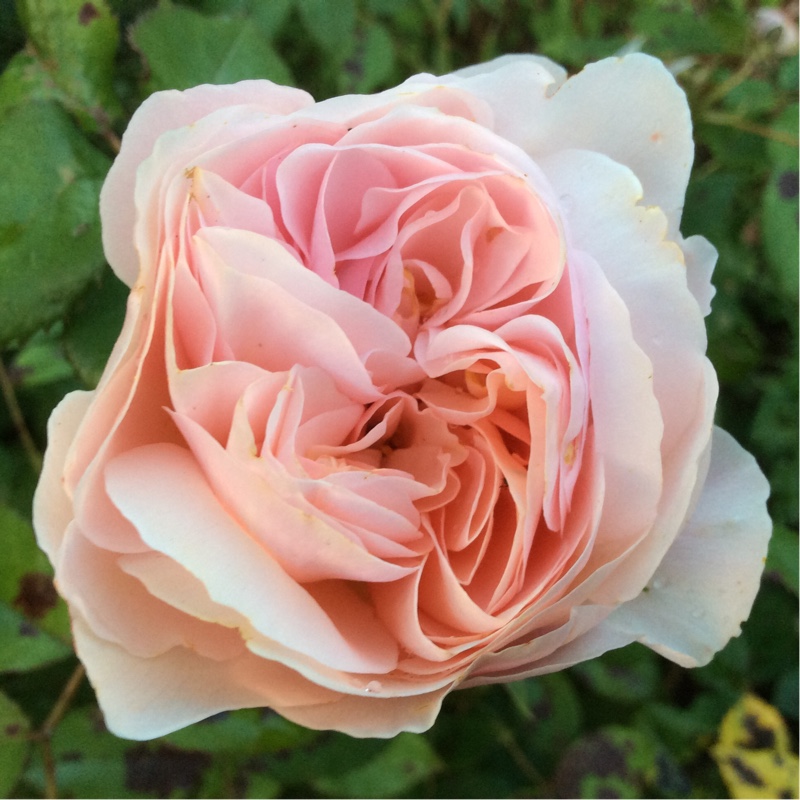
627 725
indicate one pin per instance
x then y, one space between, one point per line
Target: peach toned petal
550 649
648 273
161 112
318 325
626 417
52 505
164 494
120 609
372 717
179 687
208 395
308 544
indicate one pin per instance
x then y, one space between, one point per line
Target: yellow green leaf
753 751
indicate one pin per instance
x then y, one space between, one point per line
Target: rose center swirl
392 379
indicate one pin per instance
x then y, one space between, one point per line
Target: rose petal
164 111
162 491
179 687
52 505
630 109
705 586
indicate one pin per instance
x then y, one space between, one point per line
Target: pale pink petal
630 109
52 505
162 112
521 63
647 271
626 418
705 586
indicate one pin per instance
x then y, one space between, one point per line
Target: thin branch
112 139
507 740
732 121
50 786
17 417
45 734
62 704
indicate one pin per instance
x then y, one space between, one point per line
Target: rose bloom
411 395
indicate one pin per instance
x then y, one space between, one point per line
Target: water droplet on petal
373 686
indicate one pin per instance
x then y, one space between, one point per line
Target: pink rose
411 394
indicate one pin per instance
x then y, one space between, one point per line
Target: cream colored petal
706 584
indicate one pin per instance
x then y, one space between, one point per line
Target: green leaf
93 326
76 42
40 363
629 675
671 31
612 762
785 696
25 79
333 25
788 74
781 154
686 731
184 48
774 647
89 761
551 710
751 98
377 59
270 16
26 583
34 622
23 645
782 558
14 744
260 785
402 763
239 731
779 227
49 224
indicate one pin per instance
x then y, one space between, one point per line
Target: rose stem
45 733
7 387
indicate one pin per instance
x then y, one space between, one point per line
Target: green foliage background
627 725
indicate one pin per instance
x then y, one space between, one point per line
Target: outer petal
519 62
371 717
707 583
52 507
164 111
163 492
701 258
162 694
630 109
698 597
648 272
